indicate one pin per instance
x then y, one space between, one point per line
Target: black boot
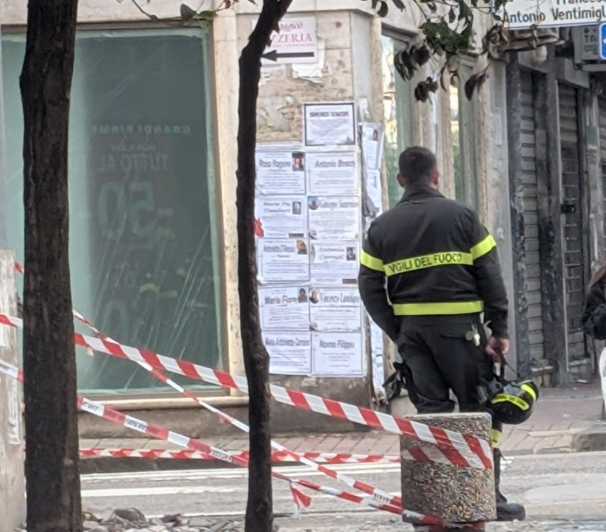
506 511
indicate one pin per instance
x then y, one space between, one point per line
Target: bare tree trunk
49 359
259 511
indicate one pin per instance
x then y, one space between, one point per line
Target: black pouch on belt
399 380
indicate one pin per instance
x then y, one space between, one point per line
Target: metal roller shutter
531 221
602 103
572 223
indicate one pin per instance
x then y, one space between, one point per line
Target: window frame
400 40
168 398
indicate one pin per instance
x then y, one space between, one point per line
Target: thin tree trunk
259 510
51 425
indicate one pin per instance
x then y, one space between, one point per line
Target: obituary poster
371 138
289 353
334 218
282 261
334 263
280 172
335 309
281 217
284 307
329 124
337 354
332 174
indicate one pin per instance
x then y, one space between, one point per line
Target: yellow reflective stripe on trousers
438 309
483 247
495 437
371 262
445 258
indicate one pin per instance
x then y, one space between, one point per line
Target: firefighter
428 271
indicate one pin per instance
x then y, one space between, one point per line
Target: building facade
152 183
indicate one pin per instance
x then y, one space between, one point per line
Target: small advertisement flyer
282 261
334 218
289 352
281 217
332 174
335 309
334 263
284 307
280 172
329 124
337 354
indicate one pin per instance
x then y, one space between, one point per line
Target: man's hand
497 347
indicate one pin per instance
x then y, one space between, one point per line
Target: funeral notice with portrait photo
289 352
337 354
334 217
280 172
332 174
284 307
335 309
282 261
371 138
334 263
329 124
281 216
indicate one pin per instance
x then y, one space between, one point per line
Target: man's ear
401 180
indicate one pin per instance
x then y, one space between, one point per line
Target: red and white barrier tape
185 442
460 450
323 458
378 494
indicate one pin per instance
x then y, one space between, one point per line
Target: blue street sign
602 42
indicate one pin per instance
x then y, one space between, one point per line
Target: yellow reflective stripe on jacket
483 247
445 258
438 309
529 390
371 262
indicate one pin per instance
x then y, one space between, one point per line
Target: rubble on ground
133 520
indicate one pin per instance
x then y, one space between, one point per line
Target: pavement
565 420
562 492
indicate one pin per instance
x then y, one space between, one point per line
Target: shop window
144 244
397 119
462 128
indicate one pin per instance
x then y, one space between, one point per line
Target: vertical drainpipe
519 305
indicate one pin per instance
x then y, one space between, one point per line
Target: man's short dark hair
417 165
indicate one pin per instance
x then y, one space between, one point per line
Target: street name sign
526 14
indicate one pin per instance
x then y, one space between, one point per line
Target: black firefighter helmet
509 402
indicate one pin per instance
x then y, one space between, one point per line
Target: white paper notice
281 216
335 309
334 217
329 124
374 190
289 353
284 308
334 263
280 172
332 174
282 261
372 145
337 354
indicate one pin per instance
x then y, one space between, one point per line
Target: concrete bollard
12 446
457 495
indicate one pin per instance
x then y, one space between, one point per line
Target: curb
103 464
593 439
